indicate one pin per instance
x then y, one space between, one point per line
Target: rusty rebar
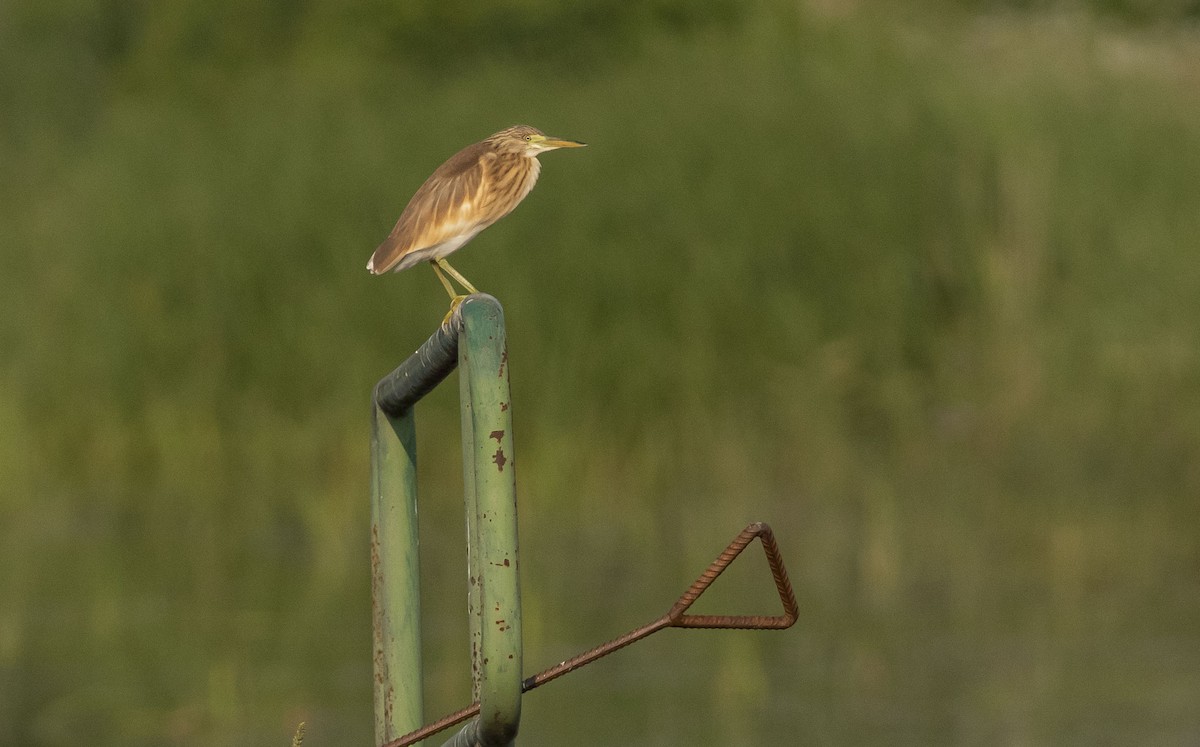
748 622
675 618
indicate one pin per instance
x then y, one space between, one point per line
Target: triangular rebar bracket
753 622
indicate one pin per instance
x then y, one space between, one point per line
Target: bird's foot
455 302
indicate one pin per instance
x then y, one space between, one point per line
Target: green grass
921 291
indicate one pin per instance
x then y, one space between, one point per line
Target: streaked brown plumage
478 186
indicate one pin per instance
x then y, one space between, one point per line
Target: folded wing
444 211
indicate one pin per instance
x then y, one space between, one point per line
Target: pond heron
478 186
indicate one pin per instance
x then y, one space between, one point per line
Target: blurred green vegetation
917 285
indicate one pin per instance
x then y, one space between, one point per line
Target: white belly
437 251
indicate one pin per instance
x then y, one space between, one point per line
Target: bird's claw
455 302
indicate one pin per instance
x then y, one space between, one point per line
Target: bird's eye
528 138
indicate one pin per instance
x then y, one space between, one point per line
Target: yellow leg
455 274
445 282
455 298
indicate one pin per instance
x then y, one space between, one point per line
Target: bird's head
528 141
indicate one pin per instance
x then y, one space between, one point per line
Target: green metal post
491 509
395 575
474 573
395 569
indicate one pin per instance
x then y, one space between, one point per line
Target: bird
476 187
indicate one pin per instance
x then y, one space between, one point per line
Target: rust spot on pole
379 658
500 459
498 435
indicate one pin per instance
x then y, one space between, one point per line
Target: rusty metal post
395 568
494 596
395 575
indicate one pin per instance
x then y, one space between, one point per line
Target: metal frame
472 339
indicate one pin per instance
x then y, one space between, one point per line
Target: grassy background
917 286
